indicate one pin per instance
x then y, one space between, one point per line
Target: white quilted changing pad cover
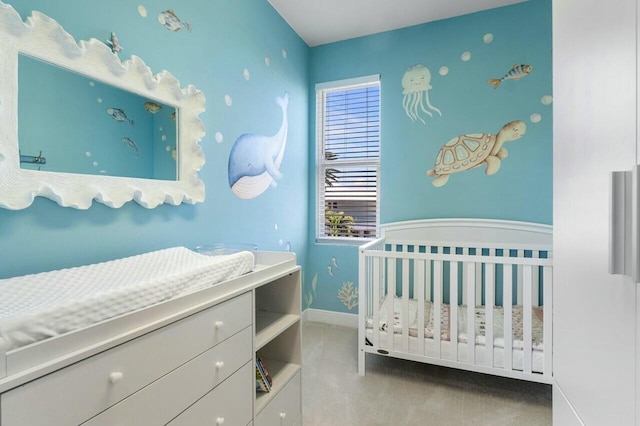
38 306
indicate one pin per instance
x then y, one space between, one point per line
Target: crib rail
400 280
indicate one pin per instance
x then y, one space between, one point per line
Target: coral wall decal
348 295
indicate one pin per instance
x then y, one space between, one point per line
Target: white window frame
321 162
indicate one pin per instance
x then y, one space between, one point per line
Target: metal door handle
624 227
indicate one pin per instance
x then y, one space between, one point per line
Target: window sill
344 241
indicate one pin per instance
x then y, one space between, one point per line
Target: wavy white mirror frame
43 38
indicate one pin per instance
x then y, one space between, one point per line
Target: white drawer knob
219 365
220 421
283 415
218 324
115 377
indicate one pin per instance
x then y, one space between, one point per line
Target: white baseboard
330 317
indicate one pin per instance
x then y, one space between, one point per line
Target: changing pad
38 306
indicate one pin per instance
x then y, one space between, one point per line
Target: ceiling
325 21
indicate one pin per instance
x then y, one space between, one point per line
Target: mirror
102 129
110 131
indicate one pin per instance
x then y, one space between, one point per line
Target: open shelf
281 373
276 341
271 324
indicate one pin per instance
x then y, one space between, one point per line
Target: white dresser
198 369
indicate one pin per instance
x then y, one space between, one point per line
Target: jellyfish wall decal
416 83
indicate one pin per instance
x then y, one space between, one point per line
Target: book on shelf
263 380
265 371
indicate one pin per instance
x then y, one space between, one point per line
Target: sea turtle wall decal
466 152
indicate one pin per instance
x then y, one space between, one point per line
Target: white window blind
348 165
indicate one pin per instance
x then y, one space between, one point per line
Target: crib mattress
39 306
517 354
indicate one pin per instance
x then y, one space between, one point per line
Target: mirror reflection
73 124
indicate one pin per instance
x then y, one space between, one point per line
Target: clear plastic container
219 249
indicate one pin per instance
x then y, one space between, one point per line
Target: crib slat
364 308
428 278
478 283
489 301
465 251
418 288
526 318
378 273
535 282
547 336
453 309
429 267
437 301
520 253
507 302
373 280
391 299
405 305
470 270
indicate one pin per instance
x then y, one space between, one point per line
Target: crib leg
361 358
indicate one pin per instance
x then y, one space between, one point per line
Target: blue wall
226 39
462 54
243 56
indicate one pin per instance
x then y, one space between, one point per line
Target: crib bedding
38 306
479 321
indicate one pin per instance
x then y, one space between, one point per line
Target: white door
594 54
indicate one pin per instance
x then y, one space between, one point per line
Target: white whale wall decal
254 161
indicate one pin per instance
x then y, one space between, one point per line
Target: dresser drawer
229 404
168 396
78 392
285 408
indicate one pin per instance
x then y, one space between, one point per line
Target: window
348 158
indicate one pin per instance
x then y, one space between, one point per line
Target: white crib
480 280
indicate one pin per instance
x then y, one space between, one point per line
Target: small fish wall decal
129 142
114 44
515 73
152 107
119 115
170 21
